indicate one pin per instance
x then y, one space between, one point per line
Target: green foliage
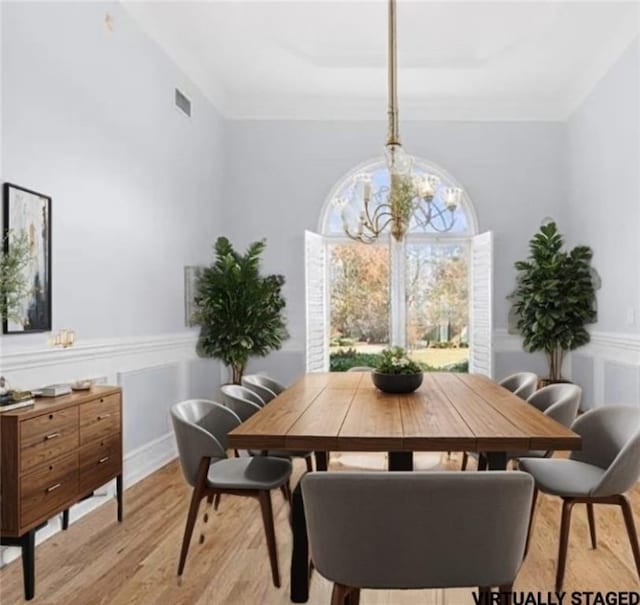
554 297
395 361
240 312
341 361
15 255
345 359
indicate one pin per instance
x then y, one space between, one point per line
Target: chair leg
465 459
565 525
216 501
309 464
188 530
534 500
506 594
631 530
353 598
592 525
338 594
482 462
267 519
484 595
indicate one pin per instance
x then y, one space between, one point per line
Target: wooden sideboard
52 455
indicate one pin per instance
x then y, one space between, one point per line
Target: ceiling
457 60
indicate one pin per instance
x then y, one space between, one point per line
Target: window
430 293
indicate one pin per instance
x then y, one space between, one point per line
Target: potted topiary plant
240 311
396 373
554 298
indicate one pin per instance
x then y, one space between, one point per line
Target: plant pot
396 383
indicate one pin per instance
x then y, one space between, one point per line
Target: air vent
183 103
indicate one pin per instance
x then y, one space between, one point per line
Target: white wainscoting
608 369
153 371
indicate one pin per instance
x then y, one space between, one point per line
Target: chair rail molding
35 357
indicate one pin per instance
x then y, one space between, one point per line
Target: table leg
400 461
322 461
65 518
300 550
496 461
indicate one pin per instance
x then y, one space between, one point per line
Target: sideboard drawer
46 426
48 474
42 496
47 437
99 418
100 461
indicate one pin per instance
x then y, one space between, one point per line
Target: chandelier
409 197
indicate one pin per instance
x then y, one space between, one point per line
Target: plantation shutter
481 305
316 301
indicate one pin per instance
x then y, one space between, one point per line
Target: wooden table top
343 411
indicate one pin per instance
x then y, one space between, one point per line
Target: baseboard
138 464
143 461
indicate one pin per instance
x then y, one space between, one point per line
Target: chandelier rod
394 135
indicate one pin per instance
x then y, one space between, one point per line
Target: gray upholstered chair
201 429
244 402
273 385
522 384
402 530
361 369
254 383
607 466
558 401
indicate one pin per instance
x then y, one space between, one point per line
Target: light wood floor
98 561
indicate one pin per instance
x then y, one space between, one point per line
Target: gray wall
602 160
88 118
280 173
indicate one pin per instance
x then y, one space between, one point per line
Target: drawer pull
54 487
103 416
51 436
103 459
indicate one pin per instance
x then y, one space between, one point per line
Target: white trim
138 464
26 359
147 459
616 346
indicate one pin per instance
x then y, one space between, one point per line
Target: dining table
343 411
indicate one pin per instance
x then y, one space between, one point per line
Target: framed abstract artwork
27 214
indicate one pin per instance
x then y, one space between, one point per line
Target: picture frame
191 275
27 211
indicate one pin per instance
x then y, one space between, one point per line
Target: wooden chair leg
482 462
309 464
506 594
216 501
465 459
188 530
565 525
267 519
353 597
592 525
338 594
210 499
484 594
631 530
534 499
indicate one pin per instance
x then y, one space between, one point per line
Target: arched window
431 293
465 221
